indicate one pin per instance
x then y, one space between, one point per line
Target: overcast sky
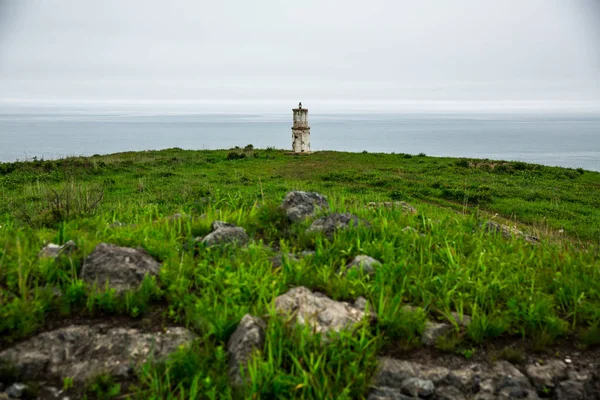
312 50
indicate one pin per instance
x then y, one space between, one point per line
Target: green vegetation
510 288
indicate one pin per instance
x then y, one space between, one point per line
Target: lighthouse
300 131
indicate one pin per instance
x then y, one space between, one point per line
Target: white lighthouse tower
300 131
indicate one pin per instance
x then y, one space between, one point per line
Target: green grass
510 288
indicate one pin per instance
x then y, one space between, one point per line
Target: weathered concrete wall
300 118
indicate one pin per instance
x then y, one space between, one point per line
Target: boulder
54 250
393 372
223 232
249 335
82 352
319 311
124 268
416 387
331 223
433 331
301 205
365 263
547 375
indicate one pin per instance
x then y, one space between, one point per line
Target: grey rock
301 205
365 263
547 375
448 393
466 379
393 372
317 310
307 253
248 337
223 232
16 390
433 331
496 228
506 374
393 205
570 390
409 229
435 374
461 320
82 352
54 250
278 260
124 268
416 387
385 393
360 303
331 223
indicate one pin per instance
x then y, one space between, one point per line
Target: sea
567 139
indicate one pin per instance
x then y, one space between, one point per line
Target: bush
462 163
232 155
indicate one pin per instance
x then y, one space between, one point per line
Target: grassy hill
536 294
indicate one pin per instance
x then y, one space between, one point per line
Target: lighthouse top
299 108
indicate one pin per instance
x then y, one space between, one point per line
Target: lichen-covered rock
461 320
82 352
393 204
249 336
54 250
416 387
571 390
301 205
223 232
122 267
317 310
331 223
547 375
448 393
365 263
393 372
433 331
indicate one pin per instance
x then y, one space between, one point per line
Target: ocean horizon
556 138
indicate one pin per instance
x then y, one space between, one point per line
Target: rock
54 250
393 204
333 222
124 268
365 263
249 335
466 379
433 331
570 390
223 232
409 229
416 387
393 372
16 390
436 375
504 373
385 393
307 253
317 310
461 320
82 352
277 260
360 303
495 227
547 375
301 205
532 239
448 393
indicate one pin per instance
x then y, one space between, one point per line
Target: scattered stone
333 222
249 335
436 375
466 379
571 390
277 260
317 310
360 303
416 387
409 229
532 239
365 263
124 268
16 390
385 393
223 232
82 352
495 227
301 205
448 393
461 320
393 372
547 375
393 204
433 331
54 250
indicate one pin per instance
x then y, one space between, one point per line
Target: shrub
462 163
232 155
